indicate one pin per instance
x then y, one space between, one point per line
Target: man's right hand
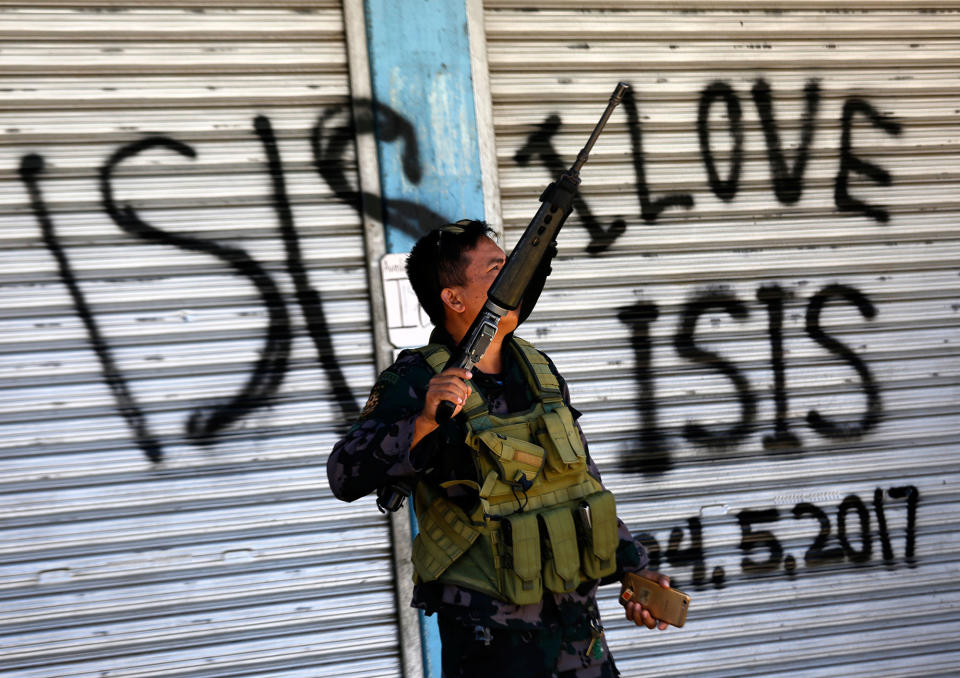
451 384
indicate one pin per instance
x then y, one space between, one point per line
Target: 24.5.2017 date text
847 538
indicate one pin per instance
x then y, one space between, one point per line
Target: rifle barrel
584 153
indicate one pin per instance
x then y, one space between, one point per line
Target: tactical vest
540 521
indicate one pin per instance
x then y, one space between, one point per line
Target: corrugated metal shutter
812 514
231 557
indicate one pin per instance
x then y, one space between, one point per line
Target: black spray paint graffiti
539 144
330 141
852 163
707 302
267 375
787 184
871 416
649 209
786 180
31 167
269 371
725 189
652 453
308 298
828 548
330 147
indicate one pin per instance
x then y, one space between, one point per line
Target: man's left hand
639 614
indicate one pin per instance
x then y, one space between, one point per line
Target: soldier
516 529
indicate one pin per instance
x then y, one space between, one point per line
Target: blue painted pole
420 74
426 132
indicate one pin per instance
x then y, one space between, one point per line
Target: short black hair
436 261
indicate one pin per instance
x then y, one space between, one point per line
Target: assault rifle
507 290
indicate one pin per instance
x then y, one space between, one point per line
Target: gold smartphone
669 605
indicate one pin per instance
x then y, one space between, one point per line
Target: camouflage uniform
480 634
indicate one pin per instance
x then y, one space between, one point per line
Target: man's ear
450 298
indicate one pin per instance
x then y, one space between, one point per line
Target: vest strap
437 357
537 369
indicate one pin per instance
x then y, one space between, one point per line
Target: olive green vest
541 520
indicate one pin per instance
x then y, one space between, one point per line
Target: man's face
484 263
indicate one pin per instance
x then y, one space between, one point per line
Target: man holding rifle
512 596
516 530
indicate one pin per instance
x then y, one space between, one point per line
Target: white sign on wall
407 323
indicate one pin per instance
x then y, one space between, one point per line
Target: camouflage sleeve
631 554
376 449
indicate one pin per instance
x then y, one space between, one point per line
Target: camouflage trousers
472 651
